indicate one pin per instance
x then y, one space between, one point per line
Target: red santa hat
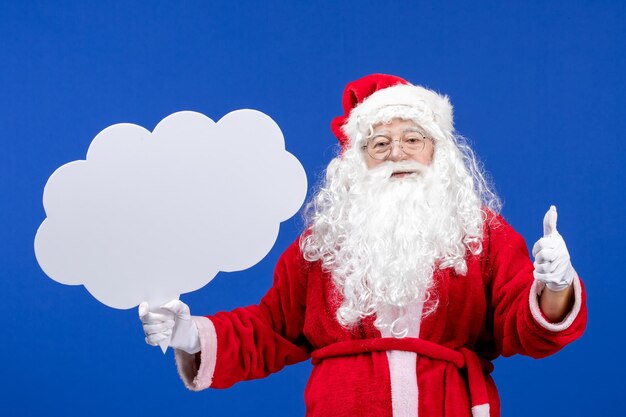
379 98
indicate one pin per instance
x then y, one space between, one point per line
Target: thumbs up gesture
552 261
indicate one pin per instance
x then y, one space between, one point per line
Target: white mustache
387 169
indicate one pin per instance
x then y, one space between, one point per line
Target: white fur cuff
198 377
535 310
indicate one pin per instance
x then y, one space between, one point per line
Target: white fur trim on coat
404 391
402 365
536 289
196 377
480 410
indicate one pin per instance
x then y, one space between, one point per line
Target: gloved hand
174 322
552 261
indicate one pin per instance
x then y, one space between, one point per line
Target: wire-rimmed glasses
379 146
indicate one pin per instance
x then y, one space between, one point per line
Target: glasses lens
379 148
413 143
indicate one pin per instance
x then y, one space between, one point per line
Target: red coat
444 371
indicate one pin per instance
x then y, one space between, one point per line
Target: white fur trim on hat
428 109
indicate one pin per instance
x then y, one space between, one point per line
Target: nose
397 154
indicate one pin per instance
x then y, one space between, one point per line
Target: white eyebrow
408 129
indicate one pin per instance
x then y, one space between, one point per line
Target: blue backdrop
538 88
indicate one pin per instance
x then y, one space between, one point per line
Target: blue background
538 87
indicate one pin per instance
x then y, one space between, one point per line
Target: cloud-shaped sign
150 216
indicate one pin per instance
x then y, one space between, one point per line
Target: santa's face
383 223
400 135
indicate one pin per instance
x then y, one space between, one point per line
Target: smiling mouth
402 174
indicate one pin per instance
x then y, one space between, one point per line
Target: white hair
381 240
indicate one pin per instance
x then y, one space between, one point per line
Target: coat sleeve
519 325
254 341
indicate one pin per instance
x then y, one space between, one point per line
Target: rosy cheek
428 157
371 162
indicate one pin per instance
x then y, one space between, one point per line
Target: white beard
381 238
392 240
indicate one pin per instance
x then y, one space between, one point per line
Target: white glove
174 324
552 261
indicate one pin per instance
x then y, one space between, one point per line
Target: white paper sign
150 216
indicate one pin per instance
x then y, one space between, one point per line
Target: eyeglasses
379 147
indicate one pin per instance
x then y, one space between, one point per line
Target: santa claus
406 284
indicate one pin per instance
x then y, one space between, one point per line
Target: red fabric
487 311
464 358
354 93
408 344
